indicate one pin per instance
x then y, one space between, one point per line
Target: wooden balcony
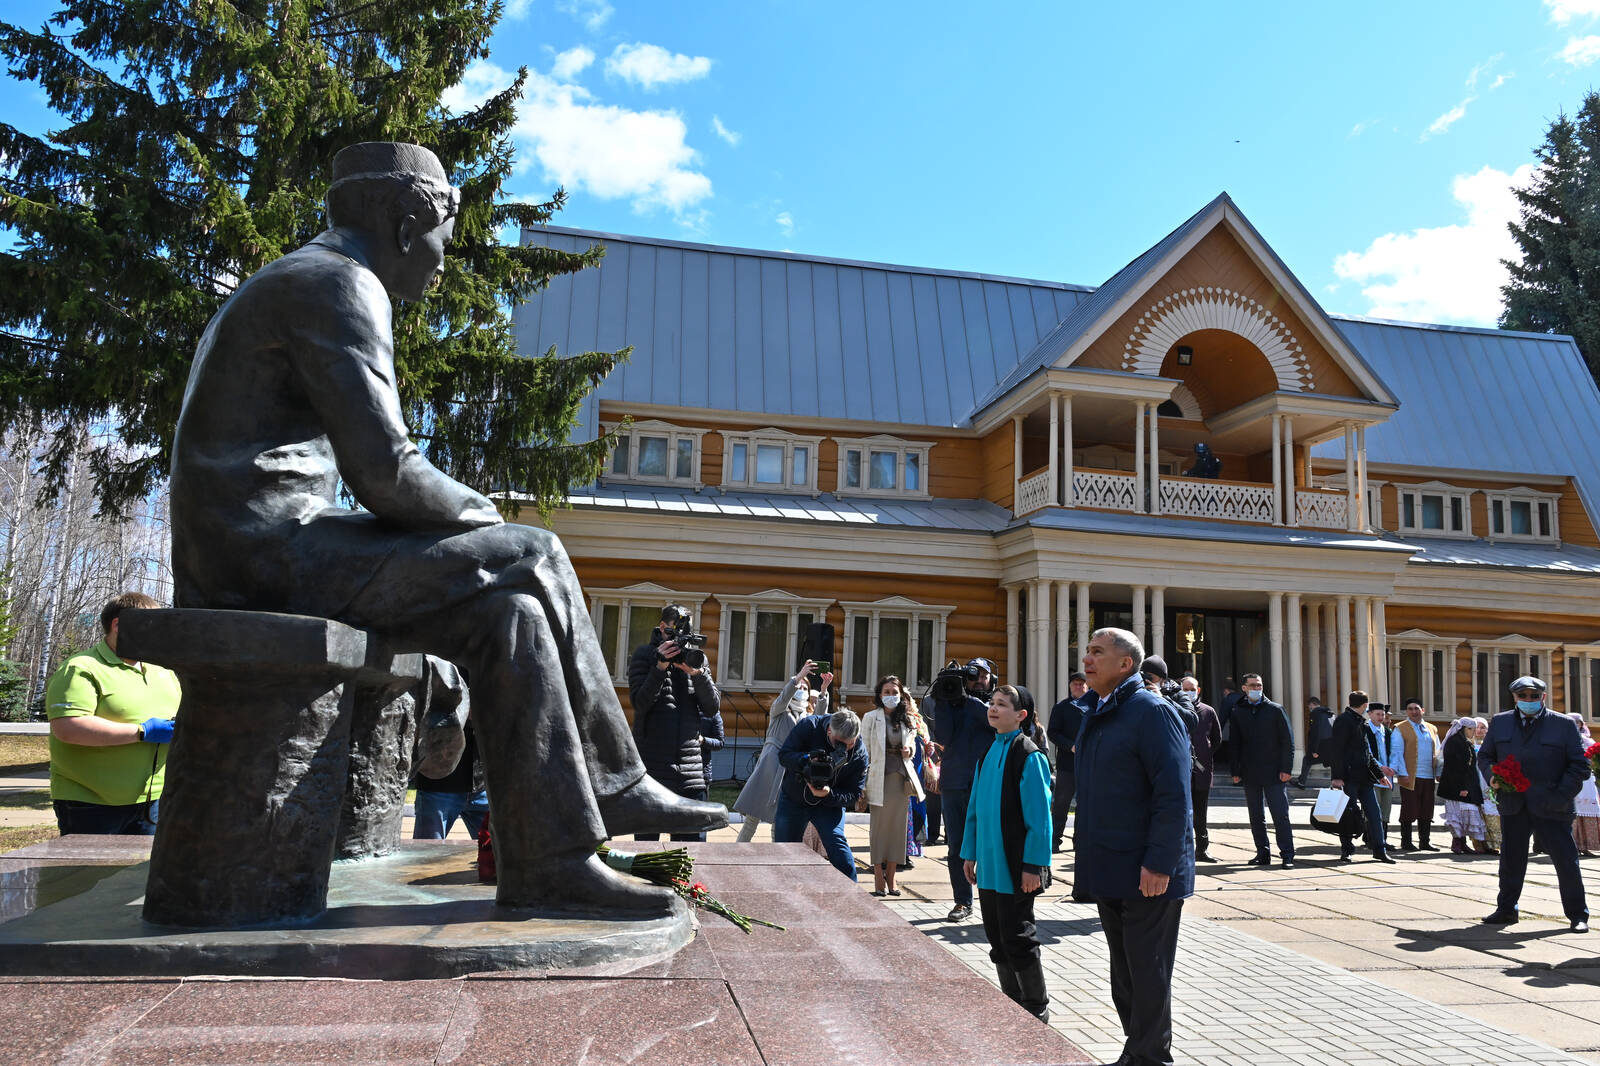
1227 501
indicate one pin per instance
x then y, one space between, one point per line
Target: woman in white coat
890 732
758 800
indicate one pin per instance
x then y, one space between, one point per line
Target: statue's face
420 258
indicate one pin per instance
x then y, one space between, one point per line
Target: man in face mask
1550 753
1263 758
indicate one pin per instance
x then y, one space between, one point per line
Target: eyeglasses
1527 694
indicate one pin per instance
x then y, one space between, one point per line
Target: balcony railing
1109 490
1034 492
1232 501
1322 508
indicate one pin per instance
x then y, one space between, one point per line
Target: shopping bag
1330 806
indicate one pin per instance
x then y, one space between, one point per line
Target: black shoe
1201 856
1261 860
1580 926
1501 916
959 913
1287 864
1345 854
1385 858
1425 846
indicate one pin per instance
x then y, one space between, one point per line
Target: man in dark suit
1550 752
1318 729
1065 718
1133 849
1205 737
1351 751
1263 755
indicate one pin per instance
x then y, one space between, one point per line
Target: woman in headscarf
758 800
1460 789
1491 812
891 732
1586 826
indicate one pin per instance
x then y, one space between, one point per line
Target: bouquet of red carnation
1592 752
1506 778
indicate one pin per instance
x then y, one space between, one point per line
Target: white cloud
1581 51
724 132
1483 68
1360 127
785 222
1446 273
650 66
1448 119
1564 11
516 9
582 144
1499 80
592 13
571 63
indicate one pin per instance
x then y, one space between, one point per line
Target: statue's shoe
581 882
646 806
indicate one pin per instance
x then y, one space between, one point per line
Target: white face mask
799 702
891 700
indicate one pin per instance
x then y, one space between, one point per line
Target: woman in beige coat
891 732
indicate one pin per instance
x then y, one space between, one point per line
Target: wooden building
944 465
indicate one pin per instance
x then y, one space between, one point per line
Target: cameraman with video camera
960 696
824 773
671 690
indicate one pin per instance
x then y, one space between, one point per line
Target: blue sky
1373 144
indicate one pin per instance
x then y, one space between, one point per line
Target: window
883 466
657 453
896 636
1497 663
1423 666
1523 514
770 460
1582 688
623 619
762 649
1435 508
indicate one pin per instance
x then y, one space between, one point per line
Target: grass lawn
22 753
29 800
20 836
725 794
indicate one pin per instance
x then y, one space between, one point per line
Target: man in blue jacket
962 729
832 743
1133 842
1550 752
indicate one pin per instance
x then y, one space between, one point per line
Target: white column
1306 480
1277 479
1275 646
1158 621
1155 462
1314 648
1138 614
1011 630
1138 458
1291 502
1364 644
1297 688
1063 633
1068 496
1349 477
1016 465
1330 656
1055 446
1380 625
1082 613
1361 476
1039 668
1336 698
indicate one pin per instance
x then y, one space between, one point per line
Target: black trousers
1200 799
1142 935
1372 816
955 827
1060 804
1556 836
1276 798
1013 939
935 807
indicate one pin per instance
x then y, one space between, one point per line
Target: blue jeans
955 829
438 811
1276 796
789 827
132 819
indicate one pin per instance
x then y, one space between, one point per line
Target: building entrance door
1216 645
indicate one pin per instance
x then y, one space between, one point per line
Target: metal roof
1565 558
945 516
780 334
1481 399
1136 525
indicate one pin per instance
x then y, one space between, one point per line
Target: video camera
678 625
950 686
817 770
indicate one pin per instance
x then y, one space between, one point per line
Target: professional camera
678 625
817 770
950 686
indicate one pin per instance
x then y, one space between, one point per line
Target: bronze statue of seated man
292 389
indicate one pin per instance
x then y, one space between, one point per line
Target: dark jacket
849 770
1205 737
668 705
712 735
1318 732
1349 747
1551 753
1460 771
1066 718
963 731
1133 796
1262 746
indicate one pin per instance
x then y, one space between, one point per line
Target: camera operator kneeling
824 772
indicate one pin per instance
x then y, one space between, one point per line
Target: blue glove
156 731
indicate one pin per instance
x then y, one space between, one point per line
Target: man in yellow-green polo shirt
111 720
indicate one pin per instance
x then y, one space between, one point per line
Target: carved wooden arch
1208 307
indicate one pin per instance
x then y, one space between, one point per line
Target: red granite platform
847 981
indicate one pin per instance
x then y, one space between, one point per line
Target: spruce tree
196 143
1556 286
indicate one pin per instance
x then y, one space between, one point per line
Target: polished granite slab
846 981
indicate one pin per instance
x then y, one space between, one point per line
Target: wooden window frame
1432 488
884 443
1533 498
655 428
643 596
774 601
782 438
1511 644
1420 640
898 607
